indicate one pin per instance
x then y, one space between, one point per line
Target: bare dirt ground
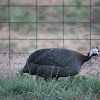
18 61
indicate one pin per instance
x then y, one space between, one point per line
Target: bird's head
94 52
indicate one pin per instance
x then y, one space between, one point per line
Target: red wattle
98 54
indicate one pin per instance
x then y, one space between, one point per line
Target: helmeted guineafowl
56 62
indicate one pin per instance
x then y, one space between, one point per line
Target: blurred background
23 36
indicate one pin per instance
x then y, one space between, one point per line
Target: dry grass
46 31
21 46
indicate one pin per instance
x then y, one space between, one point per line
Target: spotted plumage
56 62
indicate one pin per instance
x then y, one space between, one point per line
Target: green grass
28 14
28 88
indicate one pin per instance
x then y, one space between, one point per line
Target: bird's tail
25 70
32 68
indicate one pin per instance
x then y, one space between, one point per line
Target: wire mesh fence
35 24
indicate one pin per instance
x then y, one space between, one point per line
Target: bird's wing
55 57
35 55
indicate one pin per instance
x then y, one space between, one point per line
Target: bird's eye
98 51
